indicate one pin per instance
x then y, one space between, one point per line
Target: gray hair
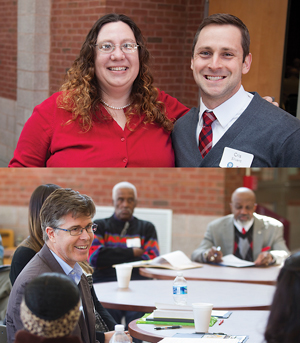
123 184
62 202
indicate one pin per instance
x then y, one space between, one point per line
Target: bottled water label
179 290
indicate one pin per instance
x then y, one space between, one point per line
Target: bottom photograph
173 255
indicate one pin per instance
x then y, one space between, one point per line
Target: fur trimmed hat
50 306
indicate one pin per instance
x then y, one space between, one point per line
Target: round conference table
244 323
142 295
260 275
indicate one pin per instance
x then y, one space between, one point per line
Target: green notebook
155 322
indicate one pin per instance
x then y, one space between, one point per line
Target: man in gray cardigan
232 128
245 234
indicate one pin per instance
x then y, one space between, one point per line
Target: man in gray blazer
231 128
68 232
245 234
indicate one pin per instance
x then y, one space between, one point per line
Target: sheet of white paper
198 340
232 261
176 259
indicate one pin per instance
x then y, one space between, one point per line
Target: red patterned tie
205 137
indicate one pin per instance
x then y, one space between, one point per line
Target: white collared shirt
240 225
226 114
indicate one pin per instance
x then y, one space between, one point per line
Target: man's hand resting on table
264 259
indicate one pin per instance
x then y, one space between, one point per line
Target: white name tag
233 158
133 243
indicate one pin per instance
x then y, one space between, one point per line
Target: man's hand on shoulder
271 100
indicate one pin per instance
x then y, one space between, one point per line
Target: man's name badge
133 242
233 158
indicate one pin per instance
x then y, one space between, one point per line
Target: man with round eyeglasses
68 232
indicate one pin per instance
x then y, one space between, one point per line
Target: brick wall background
168 26
8 49
189 191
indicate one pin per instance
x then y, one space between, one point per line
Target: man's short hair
226 19
62 202
123 184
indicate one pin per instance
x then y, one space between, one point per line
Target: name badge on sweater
233 158
133 242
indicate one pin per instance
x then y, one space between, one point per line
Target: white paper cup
123 275
202 314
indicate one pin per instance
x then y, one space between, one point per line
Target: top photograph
149 84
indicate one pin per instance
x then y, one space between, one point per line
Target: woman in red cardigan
108 113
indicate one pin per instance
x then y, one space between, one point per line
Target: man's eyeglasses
108 47
91 228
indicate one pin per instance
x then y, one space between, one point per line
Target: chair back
3 337
8 238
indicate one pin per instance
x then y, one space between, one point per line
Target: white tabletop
142 295
262 275
244 323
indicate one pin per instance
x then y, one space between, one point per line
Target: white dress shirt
243 225
226 114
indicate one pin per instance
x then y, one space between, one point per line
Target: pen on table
221 322
168 327
266 249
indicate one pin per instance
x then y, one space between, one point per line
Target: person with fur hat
49 310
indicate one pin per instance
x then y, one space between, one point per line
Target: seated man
122 238
245 234
68 232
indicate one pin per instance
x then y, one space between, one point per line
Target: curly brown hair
81 93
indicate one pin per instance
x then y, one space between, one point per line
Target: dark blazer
26 337
45 262
264 130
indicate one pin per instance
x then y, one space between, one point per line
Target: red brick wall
70 23
8 49
168 26
185 191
